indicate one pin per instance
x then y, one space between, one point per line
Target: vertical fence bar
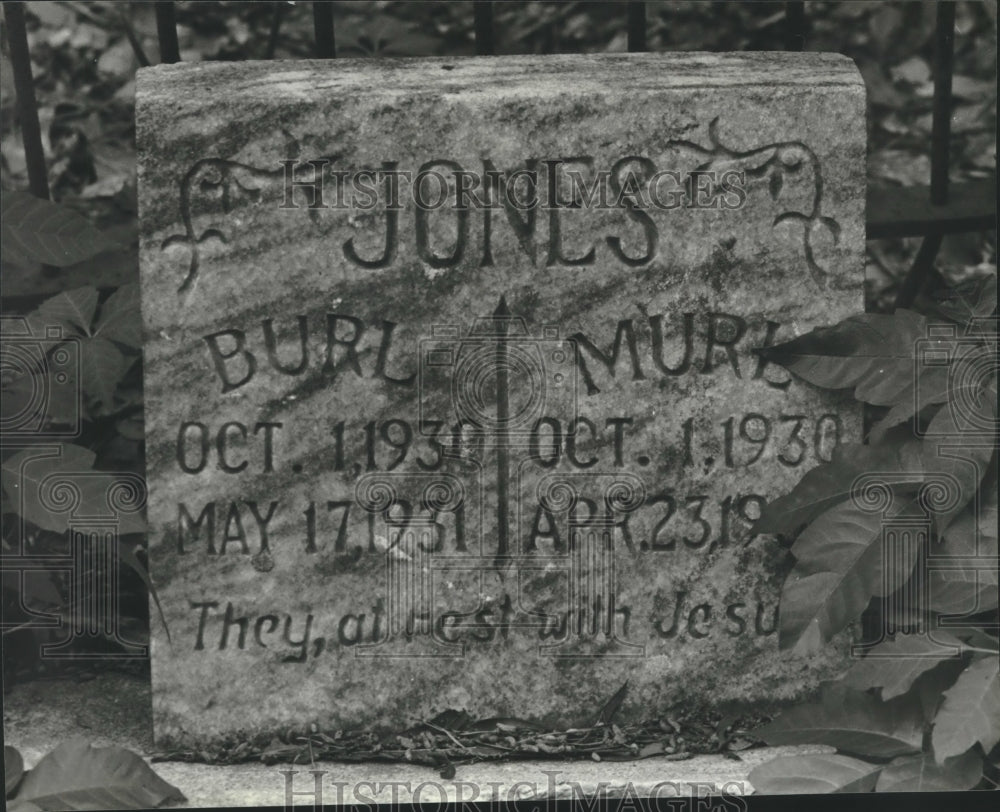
277 14
795 26
636 26
483 21
944 59
166 33
944 62
326 46
27 106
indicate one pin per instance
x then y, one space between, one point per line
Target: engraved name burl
720 179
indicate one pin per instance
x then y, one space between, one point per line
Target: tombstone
451 392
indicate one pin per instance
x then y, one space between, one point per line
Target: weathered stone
308 366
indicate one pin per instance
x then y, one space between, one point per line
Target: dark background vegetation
85 55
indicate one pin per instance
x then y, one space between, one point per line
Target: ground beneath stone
114 707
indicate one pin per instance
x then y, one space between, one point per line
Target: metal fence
928 211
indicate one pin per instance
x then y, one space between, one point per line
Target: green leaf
852 721
970 712
921 774
813 774
13 769
871 353
121 319
897 461
103 366
77 775
72 311
838 568
893 666
36 230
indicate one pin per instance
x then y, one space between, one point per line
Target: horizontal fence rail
907 211
919 211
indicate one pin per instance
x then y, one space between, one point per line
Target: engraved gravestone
451 393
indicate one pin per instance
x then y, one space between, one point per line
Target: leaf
48 393
75 489
77 775
959 593
813 773
897 461
970 712
920 773
13 769
72 311
972 535
964 302
507 724
23 474
930 686
914 70
121 319
651 749
961 450
23 806
839 567
35 230
932 385
103 366
40 591
988 504
612 705
871 353
893 666
852 721
127 554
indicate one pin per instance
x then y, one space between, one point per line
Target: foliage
98 406
84 59
927 698
77 775
40 231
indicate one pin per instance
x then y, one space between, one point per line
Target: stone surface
403 460
114 709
